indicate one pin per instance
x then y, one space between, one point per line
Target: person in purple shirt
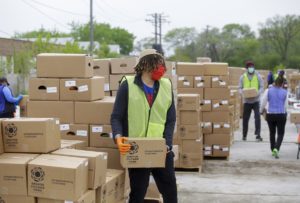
7 101
275 99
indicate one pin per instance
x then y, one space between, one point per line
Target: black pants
164 177
276 121
246 116
7 115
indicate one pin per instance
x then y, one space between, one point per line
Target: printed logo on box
11 130
37 174
134 148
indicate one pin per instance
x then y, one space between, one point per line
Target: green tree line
276 44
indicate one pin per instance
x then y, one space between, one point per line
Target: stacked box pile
235 100
264 75
217 117
234 75
34 169
189 137
293 82
66 88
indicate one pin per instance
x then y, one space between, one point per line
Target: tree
280 32
145 43
103 33
41 32
180 37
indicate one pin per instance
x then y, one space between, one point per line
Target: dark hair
279 81
149 63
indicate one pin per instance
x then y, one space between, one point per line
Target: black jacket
119 116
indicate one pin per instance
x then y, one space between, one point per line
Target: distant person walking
251 79
275 98
7 101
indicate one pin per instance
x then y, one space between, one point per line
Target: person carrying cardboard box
144 107
249 80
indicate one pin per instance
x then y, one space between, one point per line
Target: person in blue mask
251 79
276 98
7 101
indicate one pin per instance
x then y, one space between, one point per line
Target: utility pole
91 28
157 19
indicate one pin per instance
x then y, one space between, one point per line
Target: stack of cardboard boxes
66 88
216 116
28 173
190 84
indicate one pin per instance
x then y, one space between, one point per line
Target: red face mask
158 72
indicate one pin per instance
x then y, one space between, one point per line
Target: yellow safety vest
144 121
254 83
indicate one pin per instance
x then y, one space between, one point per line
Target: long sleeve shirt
119 116
9 97
260 88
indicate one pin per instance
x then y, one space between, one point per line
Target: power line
6 33
41 12
123 14
59 9
157 19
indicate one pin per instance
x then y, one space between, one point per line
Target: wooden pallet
189 170
216 158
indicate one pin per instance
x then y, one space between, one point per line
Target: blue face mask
251 70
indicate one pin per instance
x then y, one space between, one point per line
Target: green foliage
104 33
104 52
41 32
278 43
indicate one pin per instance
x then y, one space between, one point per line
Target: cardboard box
110 93
23 134
51 65
1 139
23 106
88 197
221 128
189 69
113 189
202 81
250 93
220 151
185 81
216 93
13 176
101 136
295 117
217 139
203 60
145 153
72 144
123 65
206 127
192 154
94 112
187 132
189 117
58 177
97 164
215 69
113 160
188 101
170 65
101 67
199 91
43 89
175 150
216 116
89 89
220 105
205 105
106 84
16 199
63 110
115 81
219 81
75 132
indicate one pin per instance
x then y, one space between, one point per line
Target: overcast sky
27 15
